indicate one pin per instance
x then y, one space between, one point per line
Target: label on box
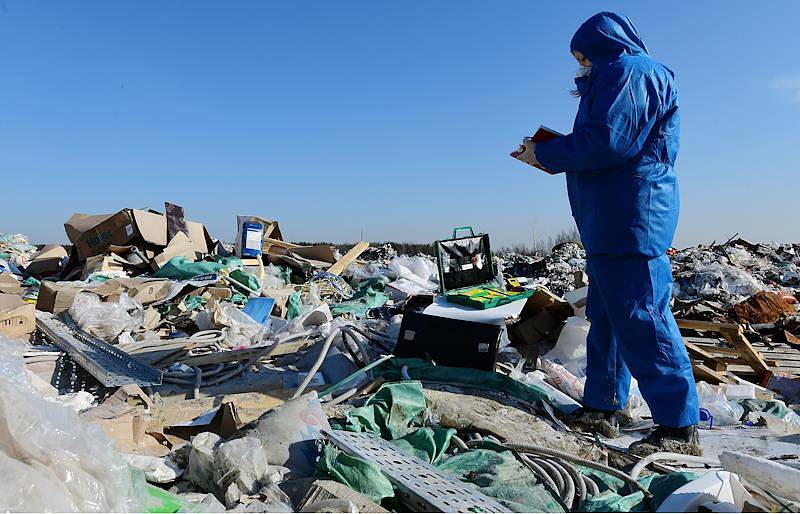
409 335
129 229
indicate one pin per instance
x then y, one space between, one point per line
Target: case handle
455 231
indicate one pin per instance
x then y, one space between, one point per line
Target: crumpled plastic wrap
419 270
713 400
51 461
241 331
106 320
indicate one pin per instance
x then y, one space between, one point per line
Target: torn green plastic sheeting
358 474
610 499
368 296
394 411
419 369
293 306
500 475
194 302
246 279
180 268
427 444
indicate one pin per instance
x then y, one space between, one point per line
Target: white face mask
583 71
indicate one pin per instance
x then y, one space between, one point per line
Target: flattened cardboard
101 263
9 284
17 318
47 261
179 245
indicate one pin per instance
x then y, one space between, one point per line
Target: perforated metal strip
421 486
108 364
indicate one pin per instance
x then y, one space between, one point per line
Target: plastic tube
539 471
591 486
198 378
569 483
553 473
542 450
666 456
577 479
404 373
344 396
326 346
359 345
458 443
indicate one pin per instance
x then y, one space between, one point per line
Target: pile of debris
148 366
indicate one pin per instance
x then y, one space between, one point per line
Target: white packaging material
560 377
740 391
570 349
716 491
577 300
157 470
200 470
768 475
242 330
51 461
418 270
724 413
402 288
106 320
636 406
561 401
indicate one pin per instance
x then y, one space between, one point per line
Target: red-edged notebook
542 135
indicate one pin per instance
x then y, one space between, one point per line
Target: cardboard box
47 261
57 298
77 224
17 318
130 226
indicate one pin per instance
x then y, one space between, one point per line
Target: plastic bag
289 433
51 461
240 465
563 379
563 402
416 269
106 320
723 412
242 330
570 349
636 406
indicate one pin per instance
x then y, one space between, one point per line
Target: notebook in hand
542 135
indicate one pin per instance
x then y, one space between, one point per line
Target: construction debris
262 375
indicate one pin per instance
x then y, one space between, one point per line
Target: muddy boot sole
645 448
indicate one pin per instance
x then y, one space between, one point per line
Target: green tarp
368 296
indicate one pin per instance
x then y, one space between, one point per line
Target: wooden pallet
730 351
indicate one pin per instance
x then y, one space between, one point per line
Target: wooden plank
737 339
708 359
709 326
268 241
706 374
348 258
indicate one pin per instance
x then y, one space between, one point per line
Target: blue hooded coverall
619 163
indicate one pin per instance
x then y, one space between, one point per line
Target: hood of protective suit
607 36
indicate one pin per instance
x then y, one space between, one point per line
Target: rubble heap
268 376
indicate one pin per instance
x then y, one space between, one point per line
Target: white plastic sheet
51 461
106 320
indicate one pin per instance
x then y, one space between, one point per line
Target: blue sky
391 117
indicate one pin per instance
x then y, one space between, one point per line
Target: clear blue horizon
391 118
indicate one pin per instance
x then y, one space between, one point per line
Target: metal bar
108 364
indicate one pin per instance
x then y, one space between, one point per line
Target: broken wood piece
348 258
737 339
706 374
691 324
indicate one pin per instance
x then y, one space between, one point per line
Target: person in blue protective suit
619 164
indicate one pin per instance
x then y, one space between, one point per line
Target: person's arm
621 115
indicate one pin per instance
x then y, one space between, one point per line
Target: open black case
467 274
